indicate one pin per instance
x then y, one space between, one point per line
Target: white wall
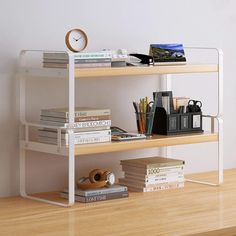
110 24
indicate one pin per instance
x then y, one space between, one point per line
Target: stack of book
100 194
152 174
92 125
82 59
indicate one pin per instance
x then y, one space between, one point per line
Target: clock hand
77 39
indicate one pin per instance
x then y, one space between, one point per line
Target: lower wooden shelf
155 141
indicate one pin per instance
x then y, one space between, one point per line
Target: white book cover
77 125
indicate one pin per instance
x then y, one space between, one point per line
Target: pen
137 116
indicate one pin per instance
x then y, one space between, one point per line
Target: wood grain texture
151 70
194 209
155 141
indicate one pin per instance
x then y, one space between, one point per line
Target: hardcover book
151 162
99 191
96 198
137 184
79 112
152 171
167 54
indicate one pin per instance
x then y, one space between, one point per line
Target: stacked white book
92 125
100 194
152 174
82 59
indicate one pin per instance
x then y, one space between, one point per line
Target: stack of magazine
152 174
100 194
82 59
92 125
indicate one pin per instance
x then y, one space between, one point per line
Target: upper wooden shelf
150 70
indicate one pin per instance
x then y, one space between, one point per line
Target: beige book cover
151 162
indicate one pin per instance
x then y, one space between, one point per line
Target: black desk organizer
174 123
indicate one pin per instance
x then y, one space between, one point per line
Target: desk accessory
183 119
143 59
97 179
118 134
144 112
76 40
166 54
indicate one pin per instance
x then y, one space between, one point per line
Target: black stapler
145 59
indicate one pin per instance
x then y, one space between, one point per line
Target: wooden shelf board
155 141
151 70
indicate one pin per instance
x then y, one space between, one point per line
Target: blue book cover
164 53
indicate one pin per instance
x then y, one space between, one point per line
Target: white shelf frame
70 151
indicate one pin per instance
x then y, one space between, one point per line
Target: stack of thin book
152 174
82 59
92 125
100 194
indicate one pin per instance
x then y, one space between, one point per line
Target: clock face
76 40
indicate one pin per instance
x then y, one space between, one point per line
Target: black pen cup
144 122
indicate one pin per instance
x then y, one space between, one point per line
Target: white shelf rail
218 117
71 105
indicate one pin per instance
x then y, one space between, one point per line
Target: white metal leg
71 162
166 85
220 122
71 173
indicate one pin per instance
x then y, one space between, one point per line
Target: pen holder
145 122
176 123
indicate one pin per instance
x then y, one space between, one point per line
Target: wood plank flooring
194 209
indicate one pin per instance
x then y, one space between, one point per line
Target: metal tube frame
71 159
166 85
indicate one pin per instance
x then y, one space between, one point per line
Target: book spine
152 171
89 124
92 65
101 191
164 187
92 55
161 179
80 130
148 178
77 119
88 113
51 134
102 60
157 188
95 198
83 140
78 125
150 184
154 165
102 197
92 139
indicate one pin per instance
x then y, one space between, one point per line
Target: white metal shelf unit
25 144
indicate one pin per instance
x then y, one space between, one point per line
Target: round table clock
76 40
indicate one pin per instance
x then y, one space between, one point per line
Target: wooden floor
194 209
